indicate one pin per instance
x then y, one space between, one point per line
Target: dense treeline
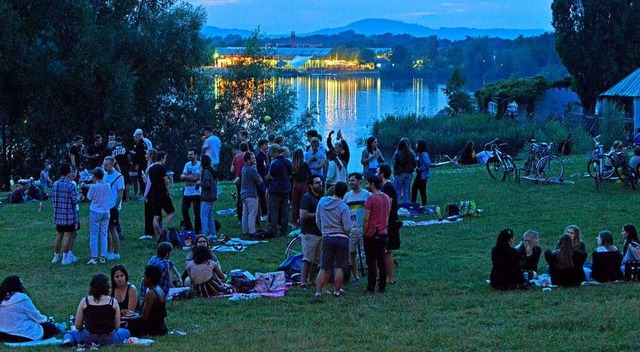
482 60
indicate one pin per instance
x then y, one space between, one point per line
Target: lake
352 104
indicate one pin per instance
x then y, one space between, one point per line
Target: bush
445 135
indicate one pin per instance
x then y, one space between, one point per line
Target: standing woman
125 293
300 173
99 194
422 173
209 184
505 270
20 320
336 172
97 318
404 162
371 157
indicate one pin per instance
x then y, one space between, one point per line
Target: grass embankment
441 301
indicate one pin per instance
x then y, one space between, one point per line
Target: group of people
514 267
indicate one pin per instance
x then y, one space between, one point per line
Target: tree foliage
598 41
458 99
524 91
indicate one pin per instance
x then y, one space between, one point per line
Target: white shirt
212 145
191 170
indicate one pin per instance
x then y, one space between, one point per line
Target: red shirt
238 164
379 205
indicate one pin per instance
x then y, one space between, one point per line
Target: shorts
163 203
114 217
334 252
354 242
66 228
394 237
311 248
124 170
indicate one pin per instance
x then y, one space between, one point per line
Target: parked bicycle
597 166
501 164
543 162
444 159
620 161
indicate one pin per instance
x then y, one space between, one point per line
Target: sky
305 16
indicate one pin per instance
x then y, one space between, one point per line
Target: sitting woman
151 320
205 274
20 320
565 263
606 259
97 318
468 155
574 232
505 272
631 249
529 254
200 241
125 293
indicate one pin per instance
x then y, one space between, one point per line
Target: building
627 94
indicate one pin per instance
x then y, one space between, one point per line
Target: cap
137 132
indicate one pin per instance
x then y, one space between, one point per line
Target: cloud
419 14
214 2
451 4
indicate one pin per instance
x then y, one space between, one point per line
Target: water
353 104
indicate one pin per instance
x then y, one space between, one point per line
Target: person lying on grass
151 321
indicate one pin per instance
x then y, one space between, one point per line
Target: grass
440 303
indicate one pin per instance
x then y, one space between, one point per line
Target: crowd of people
310 188
516 267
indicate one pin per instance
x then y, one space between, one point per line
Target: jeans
402 183
278 213
98 225
83 337
206 216
374 248
249 214
419 185
186 203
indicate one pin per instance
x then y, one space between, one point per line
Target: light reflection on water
352 104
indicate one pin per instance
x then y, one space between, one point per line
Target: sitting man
162 261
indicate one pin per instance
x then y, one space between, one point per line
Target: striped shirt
64 199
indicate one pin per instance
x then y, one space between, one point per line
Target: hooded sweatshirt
19 317
333 217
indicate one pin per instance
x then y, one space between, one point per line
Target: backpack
172 236
468 208
186 238
452 209
241 283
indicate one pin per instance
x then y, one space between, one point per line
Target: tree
459 100
598 41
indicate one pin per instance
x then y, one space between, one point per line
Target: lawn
441 301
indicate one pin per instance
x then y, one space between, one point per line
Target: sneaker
264 218
92 261
355 281
67 261
66 344
145 237
72 257
108 255
102 260
113 256
56 259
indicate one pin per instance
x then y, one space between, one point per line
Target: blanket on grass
48 342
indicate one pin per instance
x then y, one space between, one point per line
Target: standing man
333 219
64 200
279 189
341 148
376 218
262 165
95 152
157 192
243 137
316 158
211 146
236 169
394 224
139 161
355 200
310 232
190 176
123 160
250 182
75 153
116 181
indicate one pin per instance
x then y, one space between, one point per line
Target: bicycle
502 162
444 159
549 167
536 152
623 170
596 167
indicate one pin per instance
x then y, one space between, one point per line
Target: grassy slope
440 303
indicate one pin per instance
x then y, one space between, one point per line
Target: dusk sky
304 16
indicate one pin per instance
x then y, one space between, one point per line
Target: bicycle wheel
528 166
550 167
605 171
294 247
494 167
510 170
361 260
627 176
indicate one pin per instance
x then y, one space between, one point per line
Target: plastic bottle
439 213
72 322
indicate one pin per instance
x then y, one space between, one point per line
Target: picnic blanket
48 342
235 241
226 211
450 220
225 248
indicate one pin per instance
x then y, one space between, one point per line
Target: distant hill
376 26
